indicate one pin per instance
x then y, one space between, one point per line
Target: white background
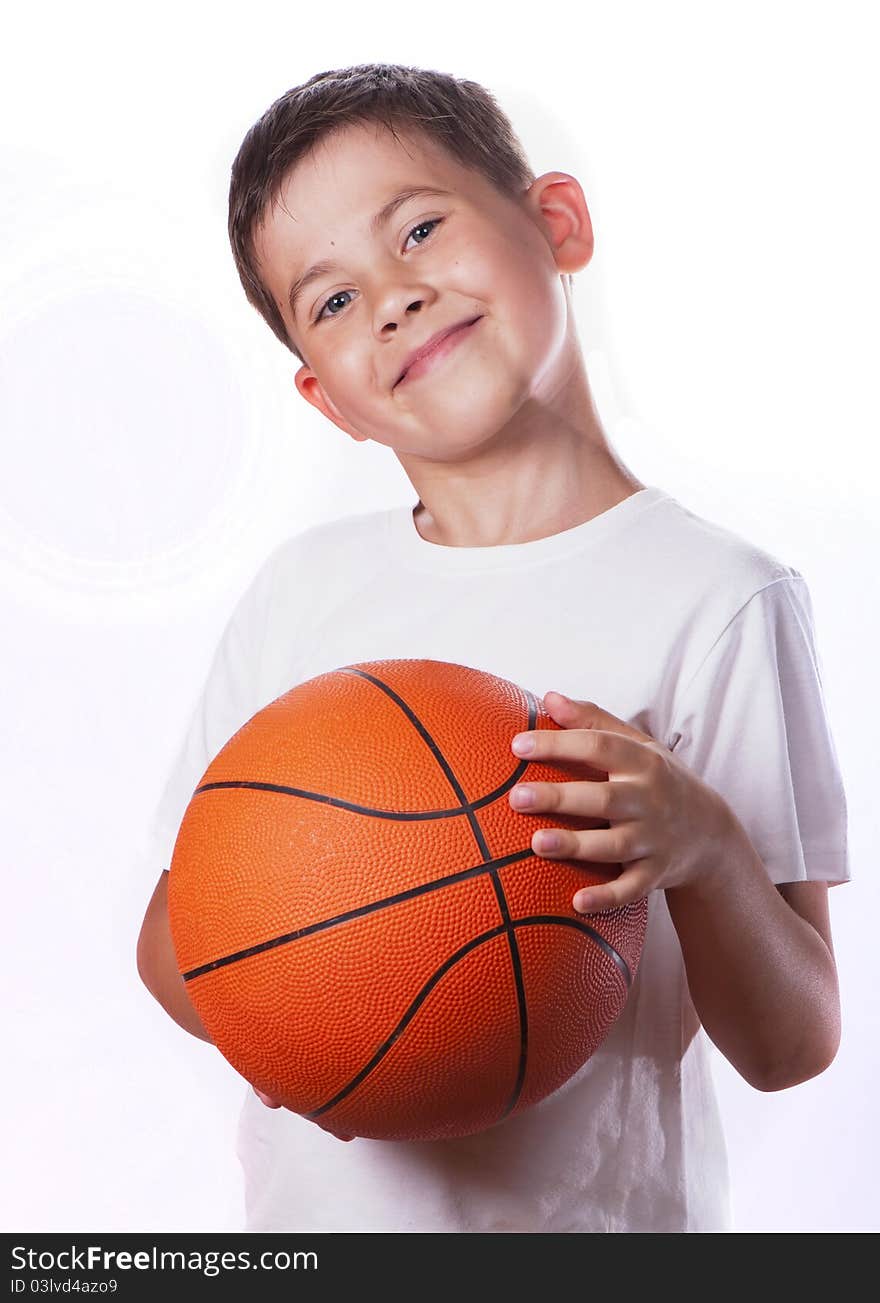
154 449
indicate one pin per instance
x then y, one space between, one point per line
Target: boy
387 226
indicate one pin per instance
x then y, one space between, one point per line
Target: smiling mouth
440 349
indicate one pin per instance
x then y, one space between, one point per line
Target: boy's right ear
309 386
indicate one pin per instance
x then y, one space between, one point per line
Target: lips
432 343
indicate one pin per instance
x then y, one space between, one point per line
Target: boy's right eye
432 222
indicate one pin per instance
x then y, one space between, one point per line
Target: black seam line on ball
483 847
602 942
368 809
408 1016
465 807
469 811
520 994
422 889
534 920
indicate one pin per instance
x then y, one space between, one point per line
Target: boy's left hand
666 826
271 1102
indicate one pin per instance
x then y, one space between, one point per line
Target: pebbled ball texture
360 919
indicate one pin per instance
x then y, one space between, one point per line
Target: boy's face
438 260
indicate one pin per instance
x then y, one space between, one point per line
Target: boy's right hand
271 1102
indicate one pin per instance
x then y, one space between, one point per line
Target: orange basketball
360 919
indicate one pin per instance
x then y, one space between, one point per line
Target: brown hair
460 116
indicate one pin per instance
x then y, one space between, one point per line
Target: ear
312 391
556 203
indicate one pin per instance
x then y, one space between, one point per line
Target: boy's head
497 244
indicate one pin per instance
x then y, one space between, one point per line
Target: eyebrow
385 213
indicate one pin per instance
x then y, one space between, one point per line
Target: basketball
361 922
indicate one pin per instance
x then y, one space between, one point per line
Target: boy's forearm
761 978
157 966
170 991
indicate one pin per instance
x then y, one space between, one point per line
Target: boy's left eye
432 222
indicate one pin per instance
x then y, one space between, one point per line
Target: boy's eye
432 222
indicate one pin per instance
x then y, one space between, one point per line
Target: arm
760 966
157 966
760 971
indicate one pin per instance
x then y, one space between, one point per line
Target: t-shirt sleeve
752 722
232 693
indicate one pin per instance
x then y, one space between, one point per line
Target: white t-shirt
673 624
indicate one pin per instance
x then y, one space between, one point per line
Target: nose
413 306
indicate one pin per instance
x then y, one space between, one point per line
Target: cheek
540 317
543 322
354 386
473 271
530 320
522 290
342 363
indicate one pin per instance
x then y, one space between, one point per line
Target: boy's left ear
309 386
557 203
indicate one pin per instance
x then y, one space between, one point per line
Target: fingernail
523 744
583 902
522 797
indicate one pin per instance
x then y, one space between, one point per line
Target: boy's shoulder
326 538
313 559
681 547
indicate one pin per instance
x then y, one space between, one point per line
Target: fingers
599 748
340 1135
634 883
571 713
268 1100
271 1102
616 799
599 845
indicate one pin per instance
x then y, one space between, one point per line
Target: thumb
265 1099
